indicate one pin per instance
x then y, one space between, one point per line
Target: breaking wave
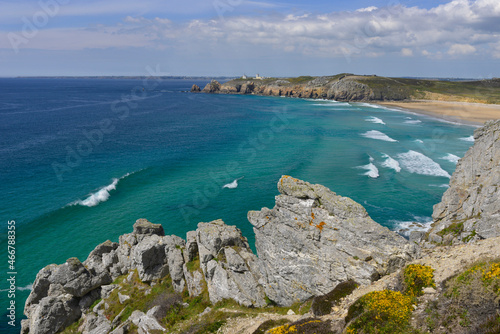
412 121
391 163
451 158
374 134
417 163
101 195
372 170
470 138
375 120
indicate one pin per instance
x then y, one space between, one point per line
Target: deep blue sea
82 159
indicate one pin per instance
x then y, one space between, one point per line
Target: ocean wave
374 134
420 141
444 185
375 120
406 227
470 138
233 185
101 195
418 163
372 170
451 158
391 163
412 121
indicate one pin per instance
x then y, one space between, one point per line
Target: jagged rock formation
195 89
470 208
314 239
311 241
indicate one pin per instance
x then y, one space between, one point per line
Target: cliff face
311 241
470 208
341 88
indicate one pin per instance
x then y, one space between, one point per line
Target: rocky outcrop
345 87
308 243
314 239
212 87
195 89
470 208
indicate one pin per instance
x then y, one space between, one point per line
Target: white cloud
367 9
405 52
461 49
458 28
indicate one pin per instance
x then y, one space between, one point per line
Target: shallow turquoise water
81 160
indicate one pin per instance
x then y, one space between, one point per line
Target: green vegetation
416 277
470 300
300 80
381 312
454 229
390 311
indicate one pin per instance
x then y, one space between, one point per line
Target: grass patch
454 229
193 265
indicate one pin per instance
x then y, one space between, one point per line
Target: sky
419 38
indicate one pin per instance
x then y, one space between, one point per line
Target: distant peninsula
474 101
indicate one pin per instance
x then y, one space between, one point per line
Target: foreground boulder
314 239
470 208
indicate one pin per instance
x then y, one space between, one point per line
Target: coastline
461 112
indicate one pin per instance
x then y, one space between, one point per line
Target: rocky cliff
313 239
343 87
309 243
470 208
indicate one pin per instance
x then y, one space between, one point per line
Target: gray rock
144 227
94 324
175 263
472 202
417 236
213 236
194 281
229 278
150 259
191 250
123 298
145 323
314 239
53 314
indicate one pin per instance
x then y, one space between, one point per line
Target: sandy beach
463 112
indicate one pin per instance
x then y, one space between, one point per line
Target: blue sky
459 38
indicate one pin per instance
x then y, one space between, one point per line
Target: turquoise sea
82 159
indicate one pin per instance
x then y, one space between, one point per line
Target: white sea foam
375 120
417 163
391 163
451 158
412 121
420 141
406 227
444 185
372 170
374 134
101 195
233 184
471 139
